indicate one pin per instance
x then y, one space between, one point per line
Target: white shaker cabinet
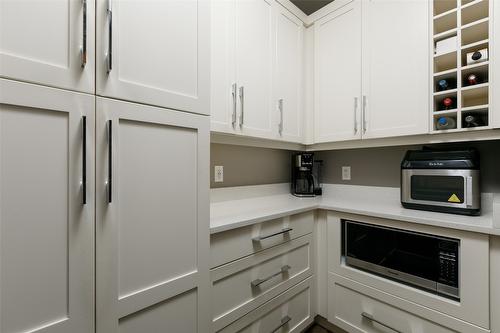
224 88
152 219
244 60
395 68
288 75
337 68
48 42
47 210
254 55
155 52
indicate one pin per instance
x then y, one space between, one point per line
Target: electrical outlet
218 174
346 173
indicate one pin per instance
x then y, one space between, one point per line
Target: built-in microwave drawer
290 312
243 285
231 245
359 313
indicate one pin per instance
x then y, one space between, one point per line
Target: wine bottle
446 84
473 121
472 79
444 123
448 103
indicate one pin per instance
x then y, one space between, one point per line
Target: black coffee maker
305 175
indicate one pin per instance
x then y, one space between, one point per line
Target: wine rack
461 89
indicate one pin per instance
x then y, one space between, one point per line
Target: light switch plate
218 173
346 173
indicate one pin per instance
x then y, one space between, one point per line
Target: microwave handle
468 190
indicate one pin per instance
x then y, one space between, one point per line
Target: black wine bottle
473 121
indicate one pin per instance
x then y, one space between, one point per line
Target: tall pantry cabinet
46 209
152 219
124 250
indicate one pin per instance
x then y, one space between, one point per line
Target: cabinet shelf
445 73
445 34
476 86
446 92
449 12
445 112
477 108
473 31
481 64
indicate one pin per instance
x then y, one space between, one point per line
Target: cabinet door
396 67
254 40
337 70
155 52
152 219
48 42
224 89
46 229
288 78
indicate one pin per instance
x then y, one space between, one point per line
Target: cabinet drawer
234 244
358 313
290 312
243 285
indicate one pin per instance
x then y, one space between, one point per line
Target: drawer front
243 285
358 313
234 244
290 312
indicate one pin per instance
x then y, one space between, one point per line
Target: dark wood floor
317 329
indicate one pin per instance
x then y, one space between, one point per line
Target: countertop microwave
441 180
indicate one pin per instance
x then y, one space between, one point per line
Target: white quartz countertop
237 207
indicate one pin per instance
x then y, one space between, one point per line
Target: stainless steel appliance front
471 188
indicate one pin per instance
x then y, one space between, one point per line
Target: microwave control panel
448 263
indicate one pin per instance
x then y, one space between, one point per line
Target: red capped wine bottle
448 103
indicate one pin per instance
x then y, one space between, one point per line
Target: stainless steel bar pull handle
110 161
84 160
258 282
84 34
109 55
283 231
280 107
234 92
355 115
285 320
242 105
364 114
372 319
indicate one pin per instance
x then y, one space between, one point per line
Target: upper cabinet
155 52
395 68
254 54
288 75
372 80
337 69
48 42
256 68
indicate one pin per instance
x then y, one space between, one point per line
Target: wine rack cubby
461 66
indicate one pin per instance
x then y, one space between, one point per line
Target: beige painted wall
381 166
370 166
249 165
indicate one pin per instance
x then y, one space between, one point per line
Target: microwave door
447 188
